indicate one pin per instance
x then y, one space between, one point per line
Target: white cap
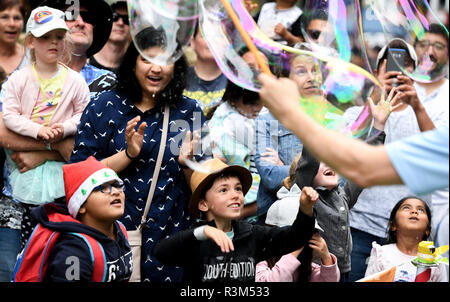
283 212
44 19
409 47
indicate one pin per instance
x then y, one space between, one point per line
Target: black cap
307 168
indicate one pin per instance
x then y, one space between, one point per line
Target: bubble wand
245 36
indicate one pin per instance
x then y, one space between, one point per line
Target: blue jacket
70 259
270 133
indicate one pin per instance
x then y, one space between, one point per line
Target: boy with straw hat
222 248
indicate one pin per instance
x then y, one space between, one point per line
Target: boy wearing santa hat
95 200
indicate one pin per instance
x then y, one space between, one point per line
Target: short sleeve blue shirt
422 160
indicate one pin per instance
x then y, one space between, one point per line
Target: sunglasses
87 17
314 34
124 18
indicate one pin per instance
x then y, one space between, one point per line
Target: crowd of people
97 143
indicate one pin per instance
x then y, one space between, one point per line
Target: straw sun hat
215 167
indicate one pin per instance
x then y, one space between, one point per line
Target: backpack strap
98 257
122 227
34 257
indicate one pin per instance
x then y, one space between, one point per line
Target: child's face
412 216
326 177
106 206
49 48
248 110
224 200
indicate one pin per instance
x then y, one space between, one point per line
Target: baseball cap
44 19
398 43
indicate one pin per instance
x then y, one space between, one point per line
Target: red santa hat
81 178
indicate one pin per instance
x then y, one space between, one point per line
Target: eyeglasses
314 34
107 187
124 18
424 44
87 17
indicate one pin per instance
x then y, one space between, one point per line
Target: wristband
128 155
198 233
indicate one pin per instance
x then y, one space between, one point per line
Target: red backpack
33 260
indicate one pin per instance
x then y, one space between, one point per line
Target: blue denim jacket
270 133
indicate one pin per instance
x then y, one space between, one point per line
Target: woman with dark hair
107 131
409 224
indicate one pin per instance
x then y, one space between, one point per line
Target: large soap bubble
168 25
341 84
329 83
413 21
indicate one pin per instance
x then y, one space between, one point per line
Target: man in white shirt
434 46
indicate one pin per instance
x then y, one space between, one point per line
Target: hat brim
409 47
42 31
244 176
103 25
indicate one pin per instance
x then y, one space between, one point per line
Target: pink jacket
21 93
286 270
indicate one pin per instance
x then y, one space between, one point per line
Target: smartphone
395 59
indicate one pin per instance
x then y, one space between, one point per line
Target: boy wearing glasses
110 56
95 200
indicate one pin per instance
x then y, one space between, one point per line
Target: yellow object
429 254
425 252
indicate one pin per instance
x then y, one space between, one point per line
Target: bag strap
97 256
122 227
162 146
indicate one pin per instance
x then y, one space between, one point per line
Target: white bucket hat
44 19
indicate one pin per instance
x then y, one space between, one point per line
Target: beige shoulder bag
135 237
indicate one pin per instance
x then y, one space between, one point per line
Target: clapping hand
135 138
188 147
